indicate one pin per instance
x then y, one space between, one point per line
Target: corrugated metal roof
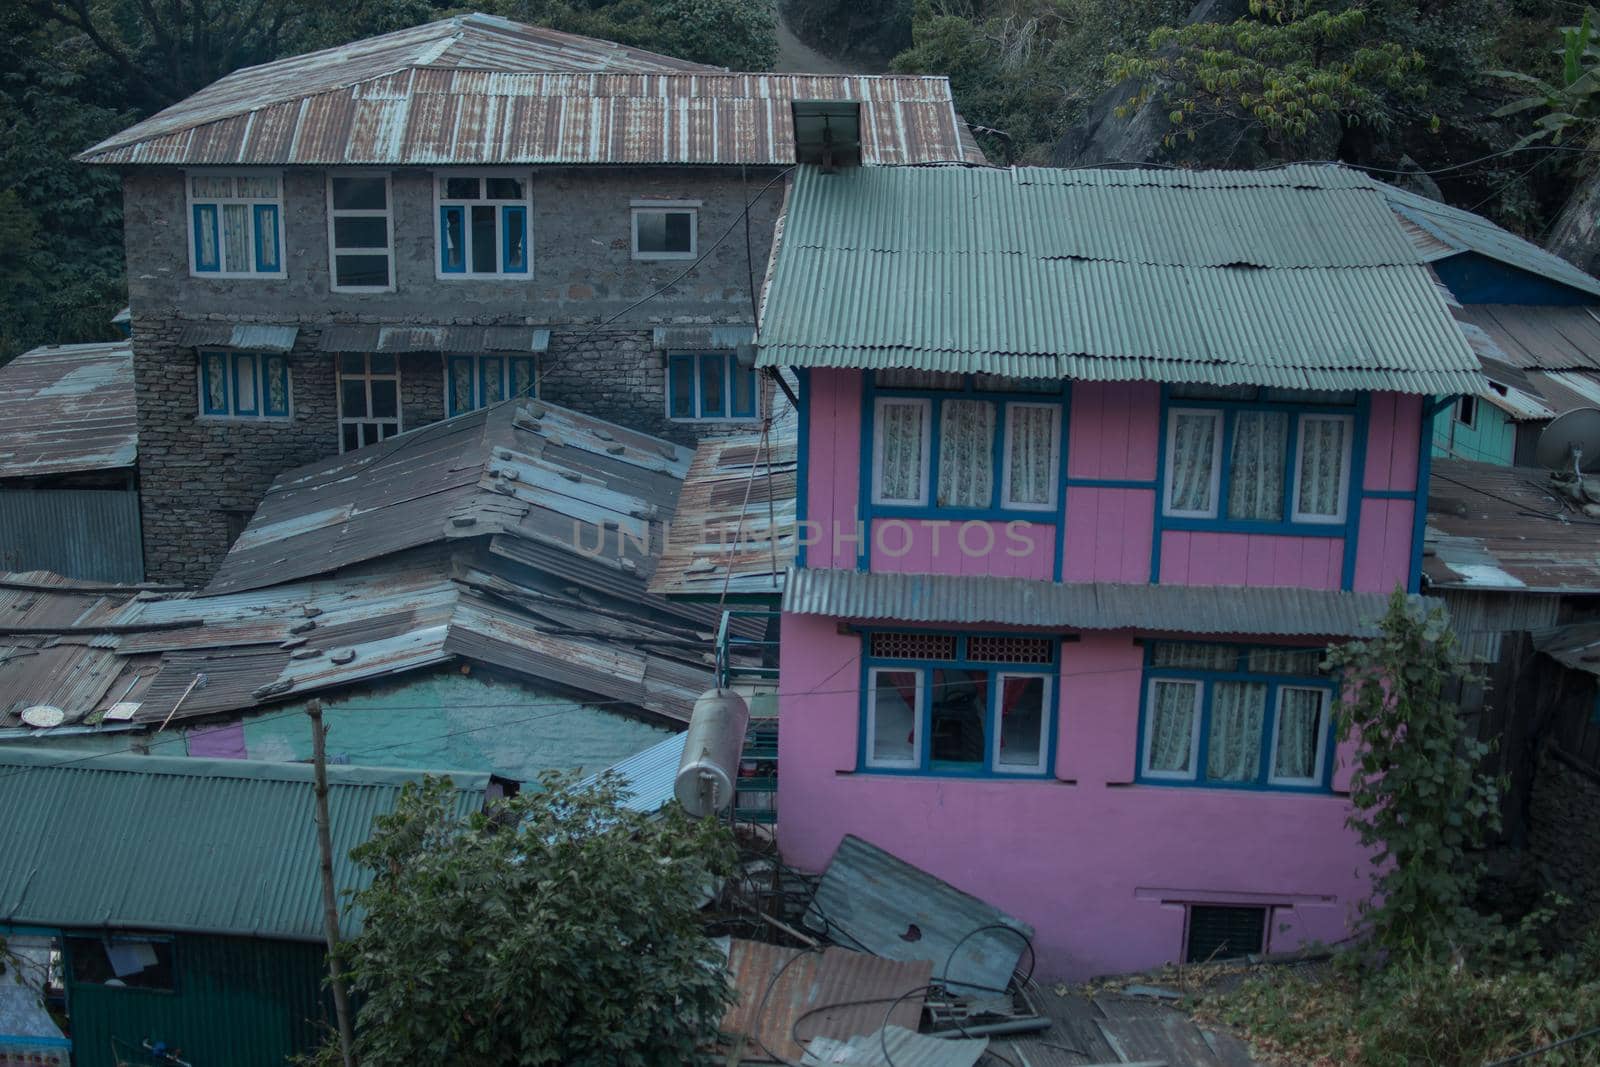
873 900
736 514
401 339
698 337
1539 336
1440 230
1296 278
479 89
651 775
769 1013
158 843
1565 391
242 335
68 408
1504 528
1192 609
1576 646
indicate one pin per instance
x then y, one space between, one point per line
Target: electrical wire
1593 1031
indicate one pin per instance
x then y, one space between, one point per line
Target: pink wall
833 473
1192 557
1114 431
1383 543
1017 549
1099 867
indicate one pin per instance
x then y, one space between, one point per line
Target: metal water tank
711 751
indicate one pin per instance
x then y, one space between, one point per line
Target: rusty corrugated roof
483 90
68 408
1541 337
1494 528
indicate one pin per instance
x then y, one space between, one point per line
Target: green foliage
1571 105
564 930
1419 802
1291 66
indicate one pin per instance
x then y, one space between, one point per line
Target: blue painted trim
1207 679
869 404
677 367
1362 428
513 223
205 217
226 370
274 366
526 364
741 389
713 366
1389 494
1160 487
238 360
453 394
1419 508
1110 483
491 372
460 216
927 767
266 221
1059 563
802 501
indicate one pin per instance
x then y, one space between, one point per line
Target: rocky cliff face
1575 236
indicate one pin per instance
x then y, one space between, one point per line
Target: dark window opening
127 963
1222 933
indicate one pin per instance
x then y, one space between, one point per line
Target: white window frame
663 207
1461 406
926 403
1195 755
915 762
1055 457
189 201
387 214
1273 777
1338 518
998 718
260 383
440 200
1170 451
368 376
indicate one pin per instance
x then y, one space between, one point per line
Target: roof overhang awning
701 338
462 340
958 599
248 337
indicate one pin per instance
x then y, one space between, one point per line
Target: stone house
334 248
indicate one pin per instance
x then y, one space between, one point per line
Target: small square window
122 962
1467 411
665 231
1223 933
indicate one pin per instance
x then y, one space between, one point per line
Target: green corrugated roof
1298 277
1462 231
164 843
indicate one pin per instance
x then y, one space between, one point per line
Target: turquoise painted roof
1299 277
170 843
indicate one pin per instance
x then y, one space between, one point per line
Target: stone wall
1564 838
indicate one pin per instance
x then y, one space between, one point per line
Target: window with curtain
473 382
977 447
236 224
958 704
483 225
708 386
244 385
1232 716
1264 462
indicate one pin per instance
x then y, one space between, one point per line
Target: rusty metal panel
780 988
248 336
1546 337
89 534
1494 528
67 408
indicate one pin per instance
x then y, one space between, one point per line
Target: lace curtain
966 454
1032 431
1299 728
1172 712
1255 465
894 704
236 236
1322 443
900 475
1233 749
1194 436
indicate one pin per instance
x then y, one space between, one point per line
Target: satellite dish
1572 439
43 716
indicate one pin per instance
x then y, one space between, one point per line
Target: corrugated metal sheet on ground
1462 231
160 843
88 534
940 598
67 408
875 901
650 776
1306 284
244 335
448 339
1504 528
477 89
895 1046
781 988
1539 336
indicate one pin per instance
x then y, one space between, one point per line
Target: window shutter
1222 933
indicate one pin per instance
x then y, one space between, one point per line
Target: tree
1571 105
563 929
1420 802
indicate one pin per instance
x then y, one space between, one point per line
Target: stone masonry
200 478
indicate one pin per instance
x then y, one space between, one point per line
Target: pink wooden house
1093 466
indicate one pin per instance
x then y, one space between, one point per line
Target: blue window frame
244 385
236 224
709 386
958 704
1259 460
1236 717
970 446
483 225
472 382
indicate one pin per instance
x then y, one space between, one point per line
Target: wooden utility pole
330 899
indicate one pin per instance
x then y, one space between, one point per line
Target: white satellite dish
43 716
1570 441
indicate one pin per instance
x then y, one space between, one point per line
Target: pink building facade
1126 791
